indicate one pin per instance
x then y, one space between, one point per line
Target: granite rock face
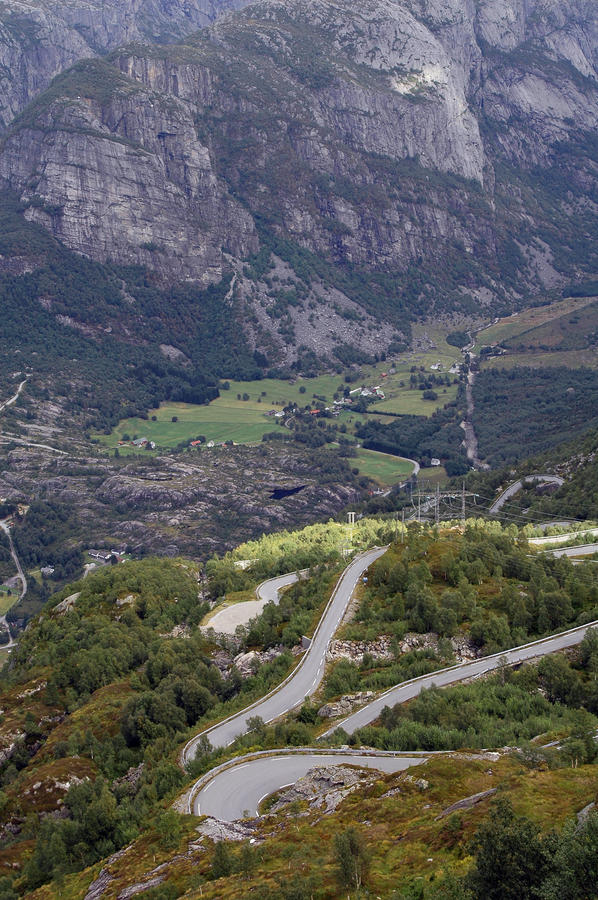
39 40
445 144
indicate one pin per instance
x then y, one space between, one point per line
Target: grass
573 359
7 601
433 475
408 842
229 417
383 467
563 324
516 324
226 419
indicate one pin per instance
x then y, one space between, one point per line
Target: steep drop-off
38 40
417 155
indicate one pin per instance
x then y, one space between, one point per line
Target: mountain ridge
447 150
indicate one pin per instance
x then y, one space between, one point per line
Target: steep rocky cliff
39 40
410 155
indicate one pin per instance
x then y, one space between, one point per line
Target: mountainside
408 156
38 40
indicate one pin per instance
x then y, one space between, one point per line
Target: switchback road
304 680
236 788
227 620
443 677
517 485
236 791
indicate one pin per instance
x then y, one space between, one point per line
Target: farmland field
7 600
239 413
383 467
537 319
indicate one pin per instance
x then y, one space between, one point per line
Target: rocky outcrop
386 647
136 184
346 704
396 137
467 802
216 830
38 41
248 663
324 787
192 505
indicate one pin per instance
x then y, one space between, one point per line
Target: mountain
410 157
38 40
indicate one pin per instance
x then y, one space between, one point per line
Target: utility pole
463 502
437 516
419 506
403 528
351 522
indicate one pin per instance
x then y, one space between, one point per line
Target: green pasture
512 326
411 402
7 600
572 359
223 420
383 467
230 417
433 475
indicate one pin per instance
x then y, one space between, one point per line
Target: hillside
115 674
406 158
39 40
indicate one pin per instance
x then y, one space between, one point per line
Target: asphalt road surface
409 689
227 620
306 677
517 485
582 550
237 792
561 538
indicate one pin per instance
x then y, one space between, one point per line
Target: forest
421 437
522 412
76 317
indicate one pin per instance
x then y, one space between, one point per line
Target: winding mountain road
227 620
400 693
517 486
305 678
582 550
233 792
236 788
562 538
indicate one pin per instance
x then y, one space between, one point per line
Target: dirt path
13 399
21 574
470 440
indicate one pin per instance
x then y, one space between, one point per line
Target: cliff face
39 40
441 151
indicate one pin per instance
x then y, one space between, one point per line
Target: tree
351 857
170 829
511 861
575 863
246 860
222 860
